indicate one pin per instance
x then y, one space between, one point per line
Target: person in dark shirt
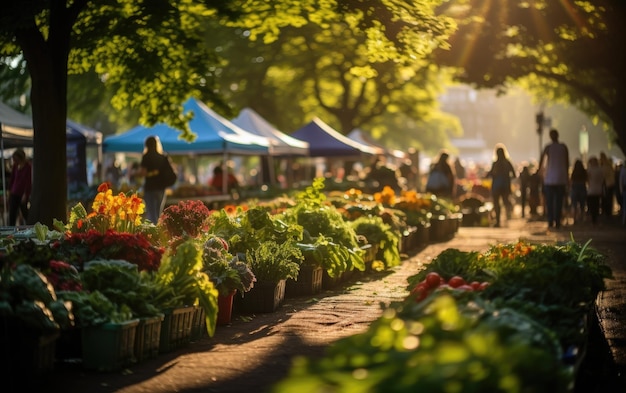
20 187
217 181
153 192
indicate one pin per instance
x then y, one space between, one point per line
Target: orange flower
230 209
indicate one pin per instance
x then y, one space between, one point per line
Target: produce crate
438 229
264 297
309 282
148 337
423 234
26 356
110 346
176 329
329 282
198 324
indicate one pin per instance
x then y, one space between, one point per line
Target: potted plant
272 263
227 273
182 287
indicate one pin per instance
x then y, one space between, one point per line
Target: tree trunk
47 64
49 193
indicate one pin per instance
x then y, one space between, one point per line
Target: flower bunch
132 247
63 276
117 212
412 200
509 251
353 194
185 218
387 196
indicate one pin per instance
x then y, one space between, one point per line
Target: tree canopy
151 54
562 50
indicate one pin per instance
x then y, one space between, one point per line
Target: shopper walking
501 173
555 158
595 188
578 191
153 190
441 178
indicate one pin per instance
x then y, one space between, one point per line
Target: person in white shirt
555 180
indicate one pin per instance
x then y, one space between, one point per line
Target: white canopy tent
283 145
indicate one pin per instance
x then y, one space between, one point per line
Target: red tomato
456 281
433 279
419 292
464 287
475 285
483 285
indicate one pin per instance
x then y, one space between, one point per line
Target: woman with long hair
153 191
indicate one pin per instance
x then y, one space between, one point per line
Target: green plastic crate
176 328
109 346
148 337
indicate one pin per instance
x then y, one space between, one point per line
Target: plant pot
176 328
264 297
109 346
309 282
225 308
148 337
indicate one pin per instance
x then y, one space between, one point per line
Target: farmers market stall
215 136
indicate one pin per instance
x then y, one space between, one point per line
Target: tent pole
225 173
4 183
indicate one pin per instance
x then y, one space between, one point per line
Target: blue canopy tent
214 135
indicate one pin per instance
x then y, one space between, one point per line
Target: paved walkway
253 353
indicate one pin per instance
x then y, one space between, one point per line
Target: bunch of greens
437 346
27 296
376 231
181 281
247 229
322 219
272 261
226 271
122 283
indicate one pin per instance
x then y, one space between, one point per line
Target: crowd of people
591 190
